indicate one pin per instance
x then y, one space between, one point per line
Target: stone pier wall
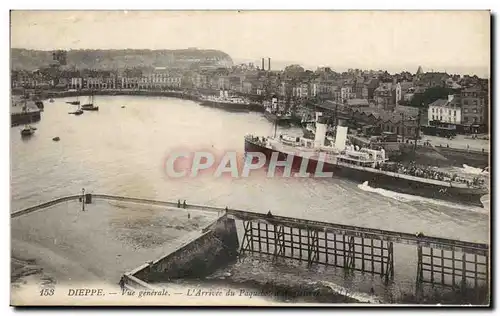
214 248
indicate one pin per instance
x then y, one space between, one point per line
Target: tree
294 68
430 95
294 71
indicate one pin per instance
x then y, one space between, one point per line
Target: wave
486 200
473 170
359 296
405 198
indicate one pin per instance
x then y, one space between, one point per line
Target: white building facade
445 111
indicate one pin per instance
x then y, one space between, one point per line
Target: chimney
262 63
269 63
450 97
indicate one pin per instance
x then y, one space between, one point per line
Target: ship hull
307 133
234 107
89 107
469 196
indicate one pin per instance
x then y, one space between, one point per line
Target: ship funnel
340 137
262 63
318 115
274 103
319 137
226 94
221 93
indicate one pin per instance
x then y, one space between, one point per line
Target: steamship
226 102
335 156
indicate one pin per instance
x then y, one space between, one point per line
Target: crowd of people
428 173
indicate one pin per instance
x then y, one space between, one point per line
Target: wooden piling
378 251
432 266
251 236
300 243
453 268
382 258
372 258
258 236
335 248
362 254
267 238
475 271
464 271
327 249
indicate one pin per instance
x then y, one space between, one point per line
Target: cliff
100 59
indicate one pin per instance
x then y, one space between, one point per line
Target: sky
452 41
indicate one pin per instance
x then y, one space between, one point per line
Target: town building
76 83
445 111
301 91
247 87
347 93
474 102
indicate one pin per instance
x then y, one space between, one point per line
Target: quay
19 117
445 262
46 94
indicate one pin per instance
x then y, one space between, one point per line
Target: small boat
75 102
123 106
28 130
90 106
79 111
51 100
56 139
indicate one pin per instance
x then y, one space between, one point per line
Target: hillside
24 59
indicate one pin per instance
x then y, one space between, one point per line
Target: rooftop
442 102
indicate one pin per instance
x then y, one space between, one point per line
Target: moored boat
28 130
274 114
79 111
90 105
226 102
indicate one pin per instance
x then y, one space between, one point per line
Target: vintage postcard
244 158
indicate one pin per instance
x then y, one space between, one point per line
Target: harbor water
122 148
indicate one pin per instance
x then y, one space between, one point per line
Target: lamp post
83 200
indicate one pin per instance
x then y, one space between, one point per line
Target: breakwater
111 92
19 118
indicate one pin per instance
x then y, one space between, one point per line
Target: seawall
24 118
198 257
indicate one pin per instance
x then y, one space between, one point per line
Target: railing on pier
44 205
363 249
355 231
